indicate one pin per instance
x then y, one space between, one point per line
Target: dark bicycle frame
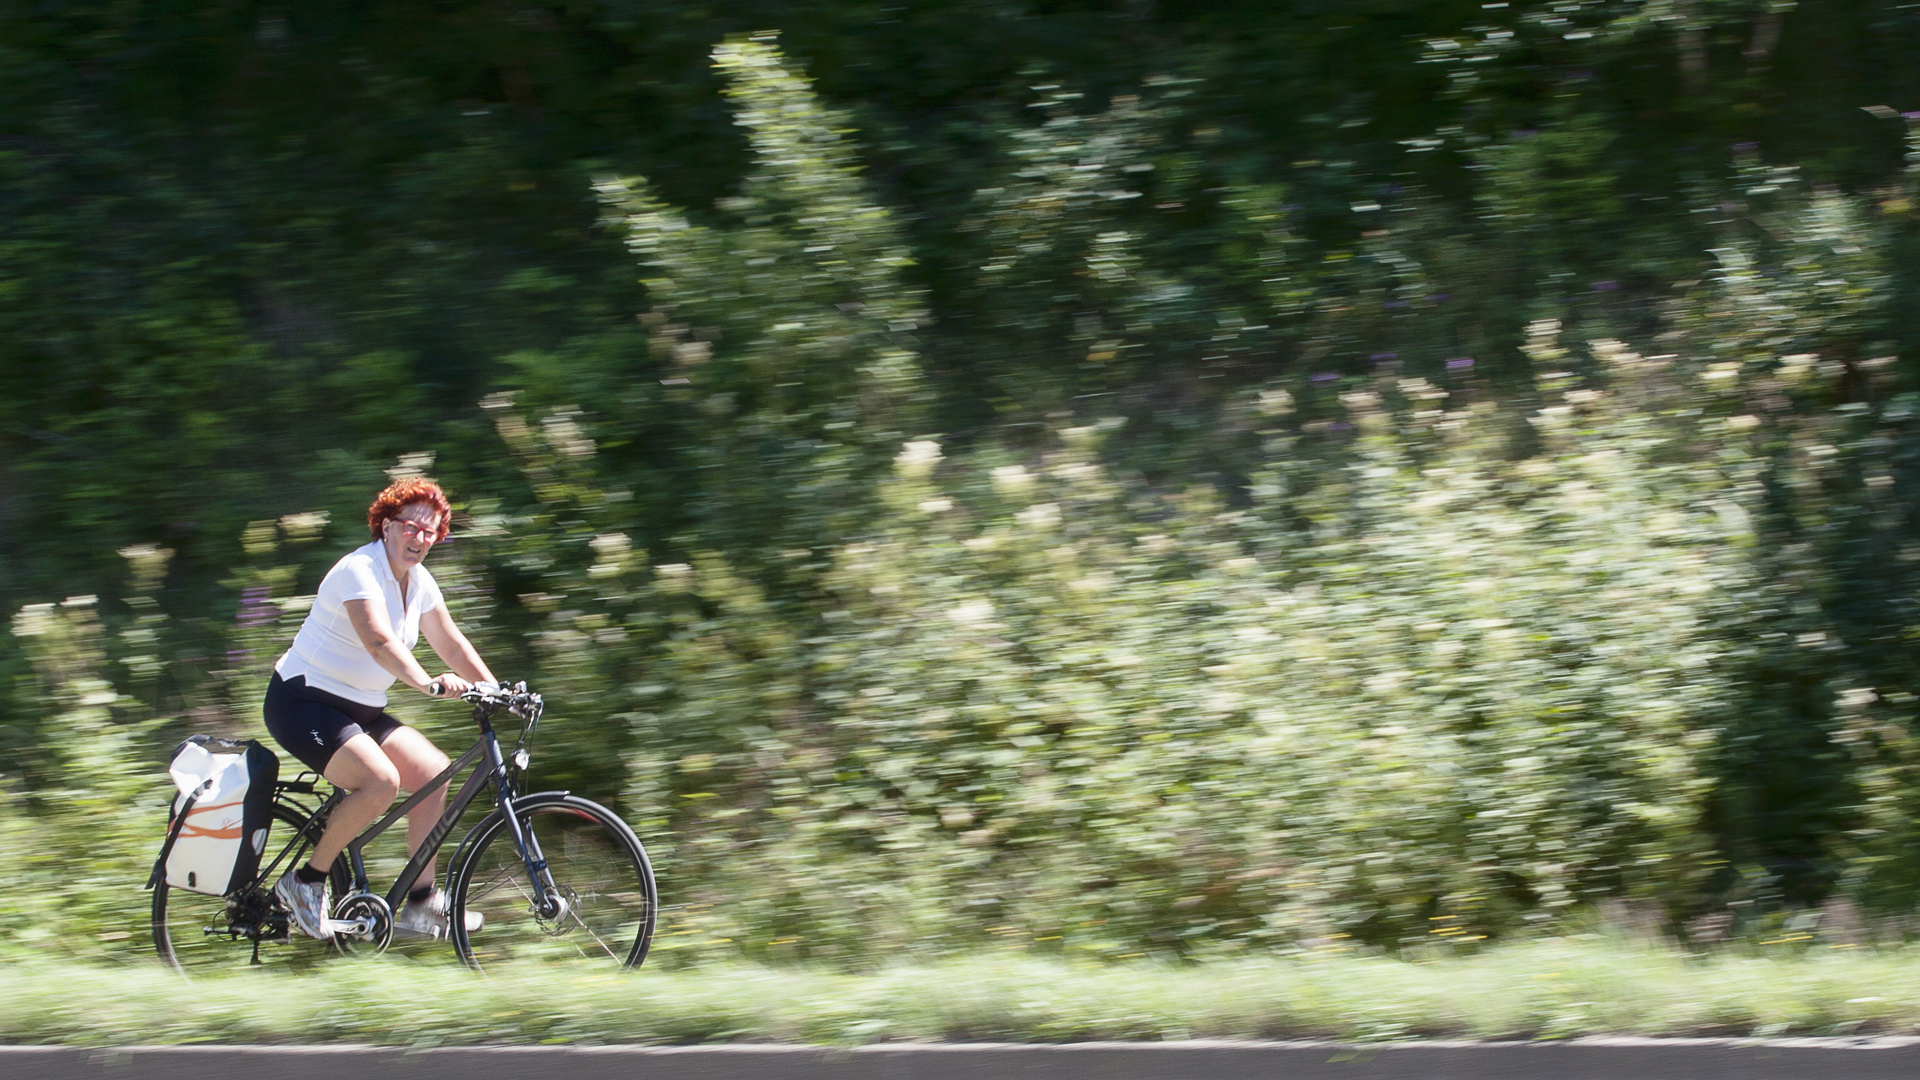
488 745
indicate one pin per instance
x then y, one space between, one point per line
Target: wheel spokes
598 940
588 861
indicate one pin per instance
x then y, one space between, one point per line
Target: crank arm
359 928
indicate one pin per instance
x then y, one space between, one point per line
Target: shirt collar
378 551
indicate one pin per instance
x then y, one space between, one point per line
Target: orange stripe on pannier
190 829
212 834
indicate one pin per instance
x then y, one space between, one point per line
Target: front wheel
598 868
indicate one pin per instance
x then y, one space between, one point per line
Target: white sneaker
306 903
428 918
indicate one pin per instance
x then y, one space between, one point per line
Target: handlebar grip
436 688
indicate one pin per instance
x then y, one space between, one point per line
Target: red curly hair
404 493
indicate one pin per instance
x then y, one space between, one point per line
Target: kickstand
255 962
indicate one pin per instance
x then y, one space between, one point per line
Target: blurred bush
78 816
1038 704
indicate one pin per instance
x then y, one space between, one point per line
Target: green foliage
1107 254
1589 985
1044 705
785 337
1358 521
81 839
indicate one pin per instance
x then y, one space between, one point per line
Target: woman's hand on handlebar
447 685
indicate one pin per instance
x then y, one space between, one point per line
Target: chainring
379 917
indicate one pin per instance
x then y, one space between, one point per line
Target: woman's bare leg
363 770
418 761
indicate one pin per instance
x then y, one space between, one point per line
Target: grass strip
1553 989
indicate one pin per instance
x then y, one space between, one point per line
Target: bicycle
555 876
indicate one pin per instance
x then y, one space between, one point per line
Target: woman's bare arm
370 622
452 646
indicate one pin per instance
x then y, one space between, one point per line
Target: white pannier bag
217 827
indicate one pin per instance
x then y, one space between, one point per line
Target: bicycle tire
180 918
598 865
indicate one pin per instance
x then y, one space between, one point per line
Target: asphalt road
1582 1059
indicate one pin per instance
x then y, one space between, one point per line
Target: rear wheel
604 882
194 932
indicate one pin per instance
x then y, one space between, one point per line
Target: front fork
547 901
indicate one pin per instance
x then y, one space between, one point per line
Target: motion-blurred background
1102 478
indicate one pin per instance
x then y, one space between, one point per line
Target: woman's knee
379 782
359 765
386 782
416 758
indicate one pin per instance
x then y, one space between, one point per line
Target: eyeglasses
417 531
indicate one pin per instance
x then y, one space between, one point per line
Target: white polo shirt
328 651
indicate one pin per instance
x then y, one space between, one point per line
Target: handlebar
514 697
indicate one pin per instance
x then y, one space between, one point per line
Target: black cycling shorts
311 724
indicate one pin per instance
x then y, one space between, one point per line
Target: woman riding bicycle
326 702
